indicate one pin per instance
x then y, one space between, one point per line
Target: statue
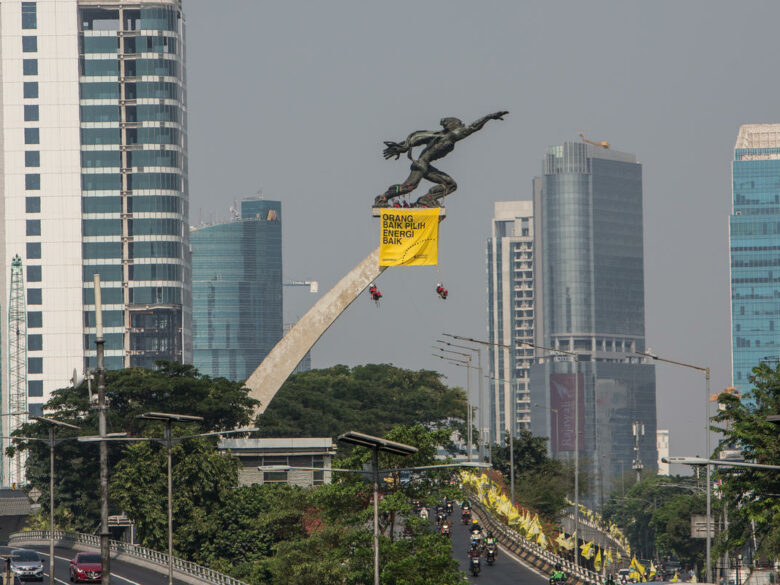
438 144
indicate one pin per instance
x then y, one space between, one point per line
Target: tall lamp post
706 371
576 421
168 441
376 444
466 364
53 424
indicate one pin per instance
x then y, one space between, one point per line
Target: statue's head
450 124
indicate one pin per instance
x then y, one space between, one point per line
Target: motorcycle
466 516
474 565
490 555
445 529
449 508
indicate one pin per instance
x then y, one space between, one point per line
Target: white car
27 565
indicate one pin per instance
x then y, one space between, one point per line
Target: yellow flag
674 579
694 579
541 540
587 550
409 237
653 571
608 558
597 560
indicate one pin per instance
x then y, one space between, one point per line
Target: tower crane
314 286
602 144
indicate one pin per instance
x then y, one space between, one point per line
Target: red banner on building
562 391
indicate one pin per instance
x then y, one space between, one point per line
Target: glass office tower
754 234
590 301
134 180
237 290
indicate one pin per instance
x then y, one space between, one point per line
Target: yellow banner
409 237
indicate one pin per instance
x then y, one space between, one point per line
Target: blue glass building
237 290
754 234
134 181
590 301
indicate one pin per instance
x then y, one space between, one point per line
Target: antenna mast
17 365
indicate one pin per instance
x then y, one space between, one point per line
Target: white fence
184 568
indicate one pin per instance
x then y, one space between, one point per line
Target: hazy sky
295 98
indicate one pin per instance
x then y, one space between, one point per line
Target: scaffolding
17 366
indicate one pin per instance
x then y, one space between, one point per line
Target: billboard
562 391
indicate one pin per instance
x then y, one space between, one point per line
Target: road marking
517 559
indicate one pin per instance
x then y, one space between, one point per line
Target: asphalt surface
507 569
122 573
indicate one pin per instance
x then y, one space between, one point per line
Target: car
26 564
86 567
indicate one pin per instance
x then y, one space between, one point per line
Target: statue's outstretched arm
477 125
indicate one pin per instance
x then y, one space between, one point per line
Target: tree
369 399
172 387
753 494
541 483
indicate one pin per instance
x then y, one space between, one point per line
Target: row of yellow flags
608 527
529 525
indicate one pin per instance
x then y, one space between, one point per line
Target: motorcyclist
490 539
558 575
465 505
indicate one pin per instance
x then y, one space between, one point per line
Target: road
122 573
507 570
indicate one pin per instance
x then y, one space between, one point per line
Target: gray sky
297 97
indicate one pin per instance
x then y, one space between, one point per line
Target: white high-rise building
511 315
93 179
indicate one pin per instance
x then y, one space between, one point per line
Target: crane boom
602 144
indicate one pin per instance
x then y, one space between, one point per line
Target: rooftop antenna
234 210
260 193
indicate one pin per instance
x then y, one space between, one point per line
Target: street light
53 424
706 371
576 420
168 441
376 444
467 365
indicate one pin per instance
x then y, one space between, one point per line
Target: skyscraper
590 300
511 305
237 290
94 180
754 232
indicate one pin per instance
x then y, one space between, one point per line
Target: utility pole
105 556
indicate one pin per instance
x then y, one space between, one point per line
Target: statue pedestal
377 211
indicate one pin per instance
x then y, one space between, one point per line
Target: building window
30 66
33 274
35 388
35 409
33 227
34 297
32 182
29 16
31 113
32 158
274 477
34 365
30 89
35 342
34 319
32 204
33 250
32 136
30 44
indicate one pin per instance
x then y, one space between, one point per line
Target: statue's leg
444 185
411 183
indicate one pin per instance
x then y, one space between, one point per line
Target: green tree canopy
170 388
753 495
369 399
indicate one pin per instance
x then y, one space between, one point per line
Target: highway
507 570
122 573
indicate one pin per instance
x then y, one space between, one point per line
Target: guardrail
133 551
531 552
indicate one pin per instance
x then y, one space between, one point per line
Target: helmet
474 521
557 566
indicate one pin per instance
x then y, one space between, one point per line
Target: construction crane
602 144
314 286
17 366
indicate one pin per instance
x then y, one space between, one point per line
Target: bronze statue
437 145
